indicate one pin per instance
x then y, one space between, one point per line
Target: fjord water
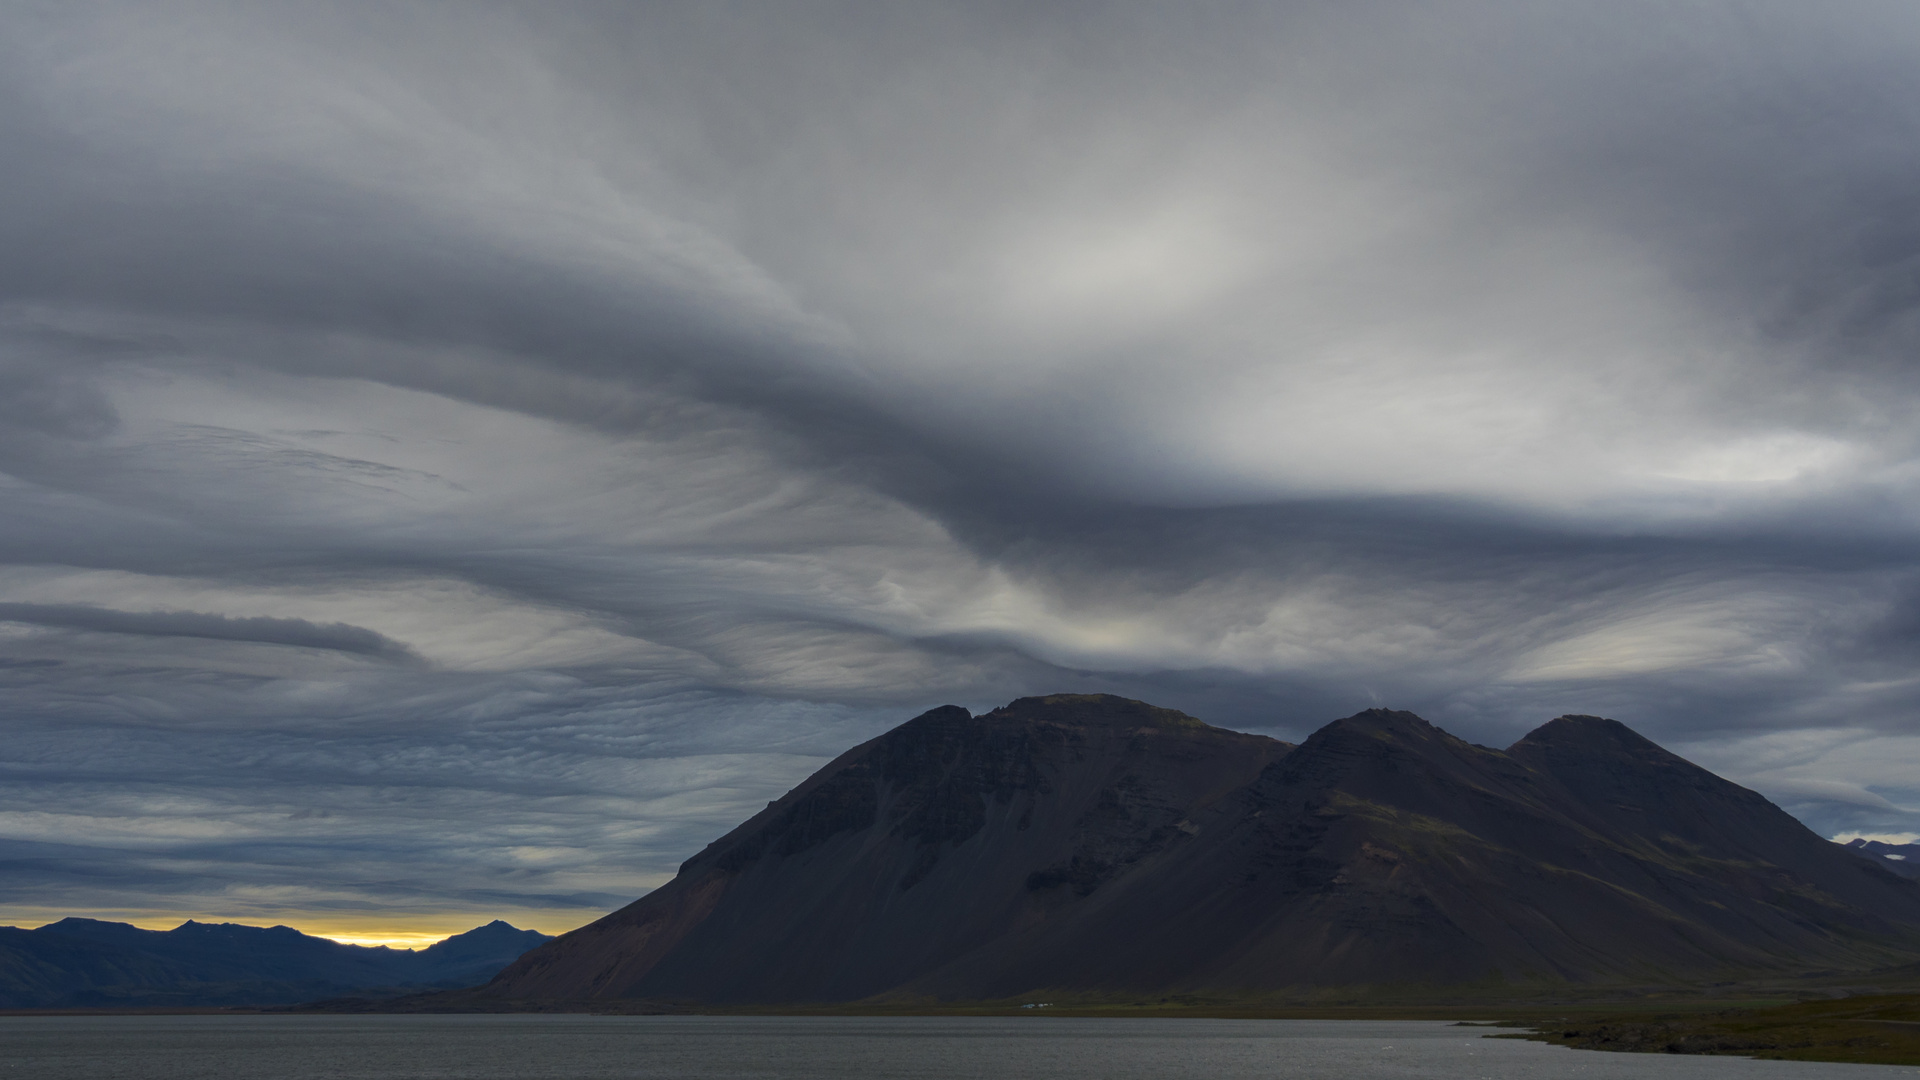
565 1047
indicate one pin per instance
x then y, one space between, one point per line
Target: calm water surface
814 1048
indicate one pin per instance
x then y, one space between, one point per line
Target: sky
456 460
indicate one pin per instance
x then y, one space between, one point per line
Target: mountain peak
1627 785
1374 727
1589 752
495 929
498 938
1590 733
1094 710
1386 719
75 922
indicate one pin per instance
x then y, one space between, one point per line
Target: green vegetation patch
1879 1030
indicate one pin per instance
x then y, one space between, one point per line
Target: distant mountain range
1902 859
1094 845
87 963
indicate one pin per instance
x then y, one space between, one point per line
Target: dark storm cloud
682 393
267 631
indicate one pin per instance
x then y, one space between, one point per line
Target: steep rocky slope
911 852
1094 844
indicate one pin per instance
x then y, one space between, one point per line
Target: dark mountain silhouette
1902 859
87 962
477 955
1092 844
913 852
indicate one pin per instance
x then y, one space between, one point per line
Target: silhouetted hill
88 962
39 970
912 852
475 956
1094 844
1902 859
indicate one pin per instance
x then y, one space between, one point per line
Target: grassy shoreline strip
1877 1030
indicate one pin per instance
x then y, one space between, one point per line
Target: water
817 1048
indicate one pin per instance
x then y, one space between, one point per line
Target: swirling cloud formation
456 460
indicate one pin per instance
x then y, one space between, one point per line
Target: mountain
87 962
475 956
912 852
1902 859
1090 844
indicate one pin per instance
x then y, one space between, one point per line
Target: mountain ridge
80 962
1082 843
1902 859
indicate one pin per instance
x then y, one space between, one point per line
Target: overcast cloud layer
457 460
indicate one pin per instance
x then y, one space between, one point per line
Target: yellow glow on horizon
394 929
391 941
